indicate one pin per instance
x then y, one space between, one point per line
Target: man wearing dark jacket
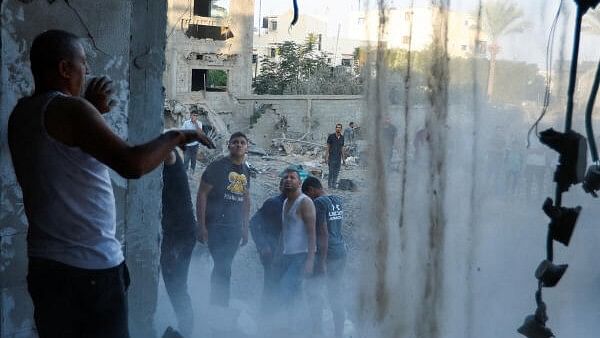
265 227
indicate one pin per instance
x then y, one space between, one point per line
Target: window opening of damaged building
210 80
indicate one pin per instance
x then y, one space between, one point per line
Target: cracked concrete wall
118 41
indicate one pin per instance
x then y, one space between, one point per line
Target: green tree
217 78
500 18
268 81
311 41
300 69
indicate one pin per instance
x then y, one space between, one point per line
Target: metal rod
573 74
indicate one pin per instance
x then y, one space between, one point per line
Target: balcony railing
204 21
207 28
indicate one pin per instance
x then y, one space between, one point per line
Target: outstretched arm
76 122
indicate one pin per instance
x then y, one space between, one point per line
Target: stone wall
265 117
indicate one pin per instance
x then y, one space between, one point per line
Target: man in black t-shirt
333 155
178 240
223 208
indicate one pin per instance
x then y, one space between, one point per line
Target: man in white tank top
298 238
61 150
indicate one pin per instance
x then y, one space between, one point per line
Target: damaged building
209 68
208 57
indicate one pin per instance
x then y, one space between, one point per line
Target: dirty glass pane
444 176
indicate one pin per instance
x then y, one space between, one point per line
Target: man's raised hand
99 91
196 135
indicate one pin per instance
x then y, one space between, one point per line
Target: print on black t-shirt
230 183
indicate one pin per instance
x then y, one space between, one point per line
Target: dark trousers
78 303
175 257
334 171
223 243
272 276
189 157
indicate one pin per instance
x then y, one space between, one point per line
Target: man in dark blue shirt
265 227
331 253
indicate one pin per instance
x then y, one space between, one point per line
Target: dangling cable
588 116
568 171
568 115
295 17
549 60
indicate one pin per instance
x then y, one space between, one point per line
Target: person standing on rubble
223 208
178 239
191 149
61 149
334 155
299 242
265 227
330 260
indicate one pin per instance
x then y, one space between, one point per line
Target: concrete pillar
242 12
143 205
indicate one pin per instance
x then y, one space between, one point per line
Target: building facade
209 52
406 27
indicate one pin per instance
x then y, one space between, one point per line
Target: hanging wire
295 17
588 116
574 62
549 61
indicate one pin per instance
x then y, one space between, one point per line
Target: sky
529 46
